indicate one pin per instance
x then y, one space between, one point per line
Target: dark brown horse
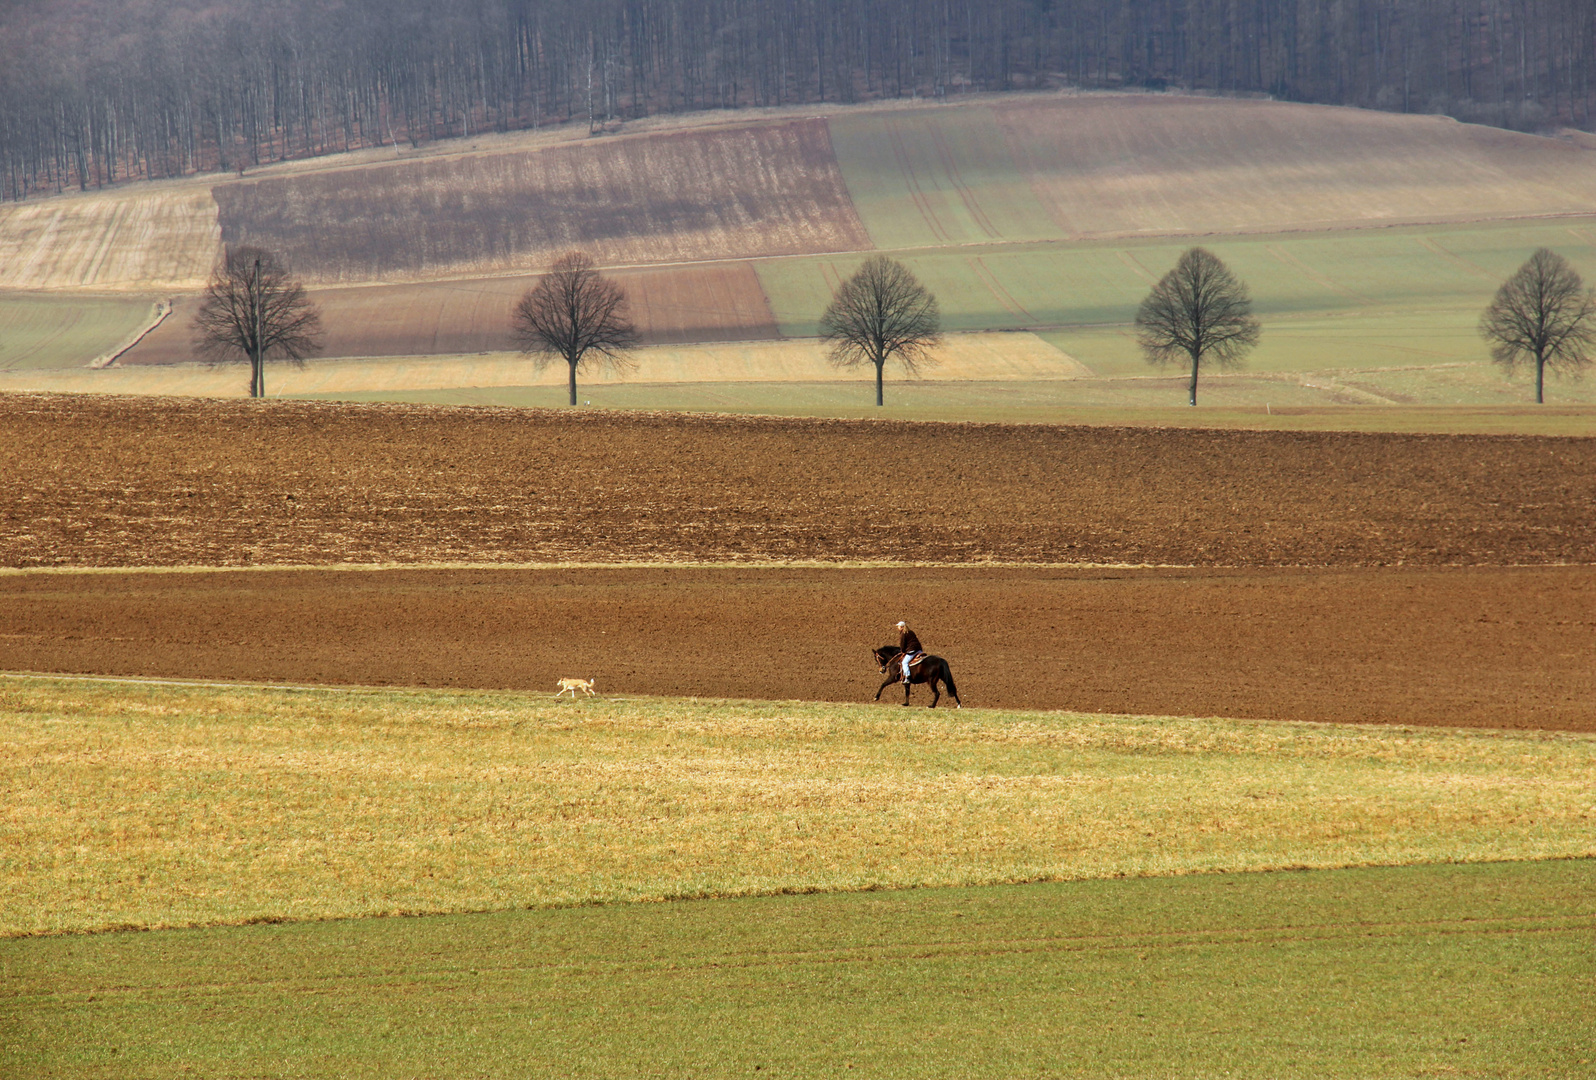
928 669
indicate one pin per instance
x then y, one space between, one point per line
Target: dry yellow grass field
142 237
991 356
129 805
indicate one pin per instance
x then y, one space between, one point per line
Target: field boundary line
758 564
653 564
540 696
163 309
1073 241
849 954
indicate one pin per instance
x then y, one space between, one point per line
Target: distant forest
98 91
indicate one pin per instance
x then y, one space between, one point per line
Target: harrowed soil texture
1290 604
1484 647
105 481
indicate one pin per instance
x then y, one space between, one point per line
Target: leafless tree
880 313
254 310
575 313
1545 314
1200 312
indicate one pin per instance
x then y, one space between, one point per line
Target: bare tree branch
254 310
1199 311
574 313
1545 315
880 313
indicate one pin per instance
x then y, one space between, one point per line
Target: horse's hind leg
936 695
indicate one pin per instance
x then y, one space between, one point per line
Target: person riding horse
910 646
908 664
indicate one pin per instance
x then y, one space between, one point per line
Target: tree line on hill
97 91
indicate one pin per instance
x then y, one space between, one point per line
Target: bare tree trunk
1540 380
571 364
1194 363
879 365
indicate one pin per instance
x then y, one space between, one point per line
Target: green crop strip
1481 970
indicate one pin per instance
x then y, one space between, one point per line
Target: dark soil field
120 482
1497 647
1281 575
712 193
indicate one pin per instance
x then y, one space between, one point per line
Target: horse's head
885 655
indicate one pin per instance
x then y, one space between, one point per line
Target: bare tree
880 313
574 313
1543 313
1200 312
254 310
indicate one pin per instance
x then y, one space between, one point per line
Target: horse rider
908 646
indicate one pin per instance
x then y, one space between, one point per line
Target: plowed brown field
1496 647
708 303
107 482
104 481
763 189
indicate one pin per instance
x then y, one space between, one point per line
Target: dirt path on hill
1485 647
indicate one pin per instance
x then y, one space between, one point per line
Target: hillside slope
1053 167
1046 212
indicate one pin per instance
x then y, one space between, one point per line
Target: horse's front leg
906 691
883 686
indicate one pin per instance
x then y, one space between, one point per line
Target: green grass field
1483 970
41 331
1338 299
277 823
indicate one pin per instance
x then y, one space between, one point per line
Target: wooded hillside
97 91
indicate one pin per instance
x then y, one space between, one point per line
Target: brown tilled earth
1330 576
103 481
764 188
680 304
1488 647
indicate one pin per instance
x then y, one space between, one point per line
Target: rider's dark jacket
908 642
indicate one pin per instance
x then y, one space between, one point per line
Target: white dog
573 685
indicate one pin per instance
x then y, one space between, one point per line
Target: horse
928 669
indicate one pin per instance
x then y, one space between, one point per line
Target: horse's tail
947 677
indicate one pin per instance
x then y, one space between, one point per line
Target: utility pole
257 361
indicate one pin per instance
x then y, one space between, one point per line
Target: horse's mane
887 652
